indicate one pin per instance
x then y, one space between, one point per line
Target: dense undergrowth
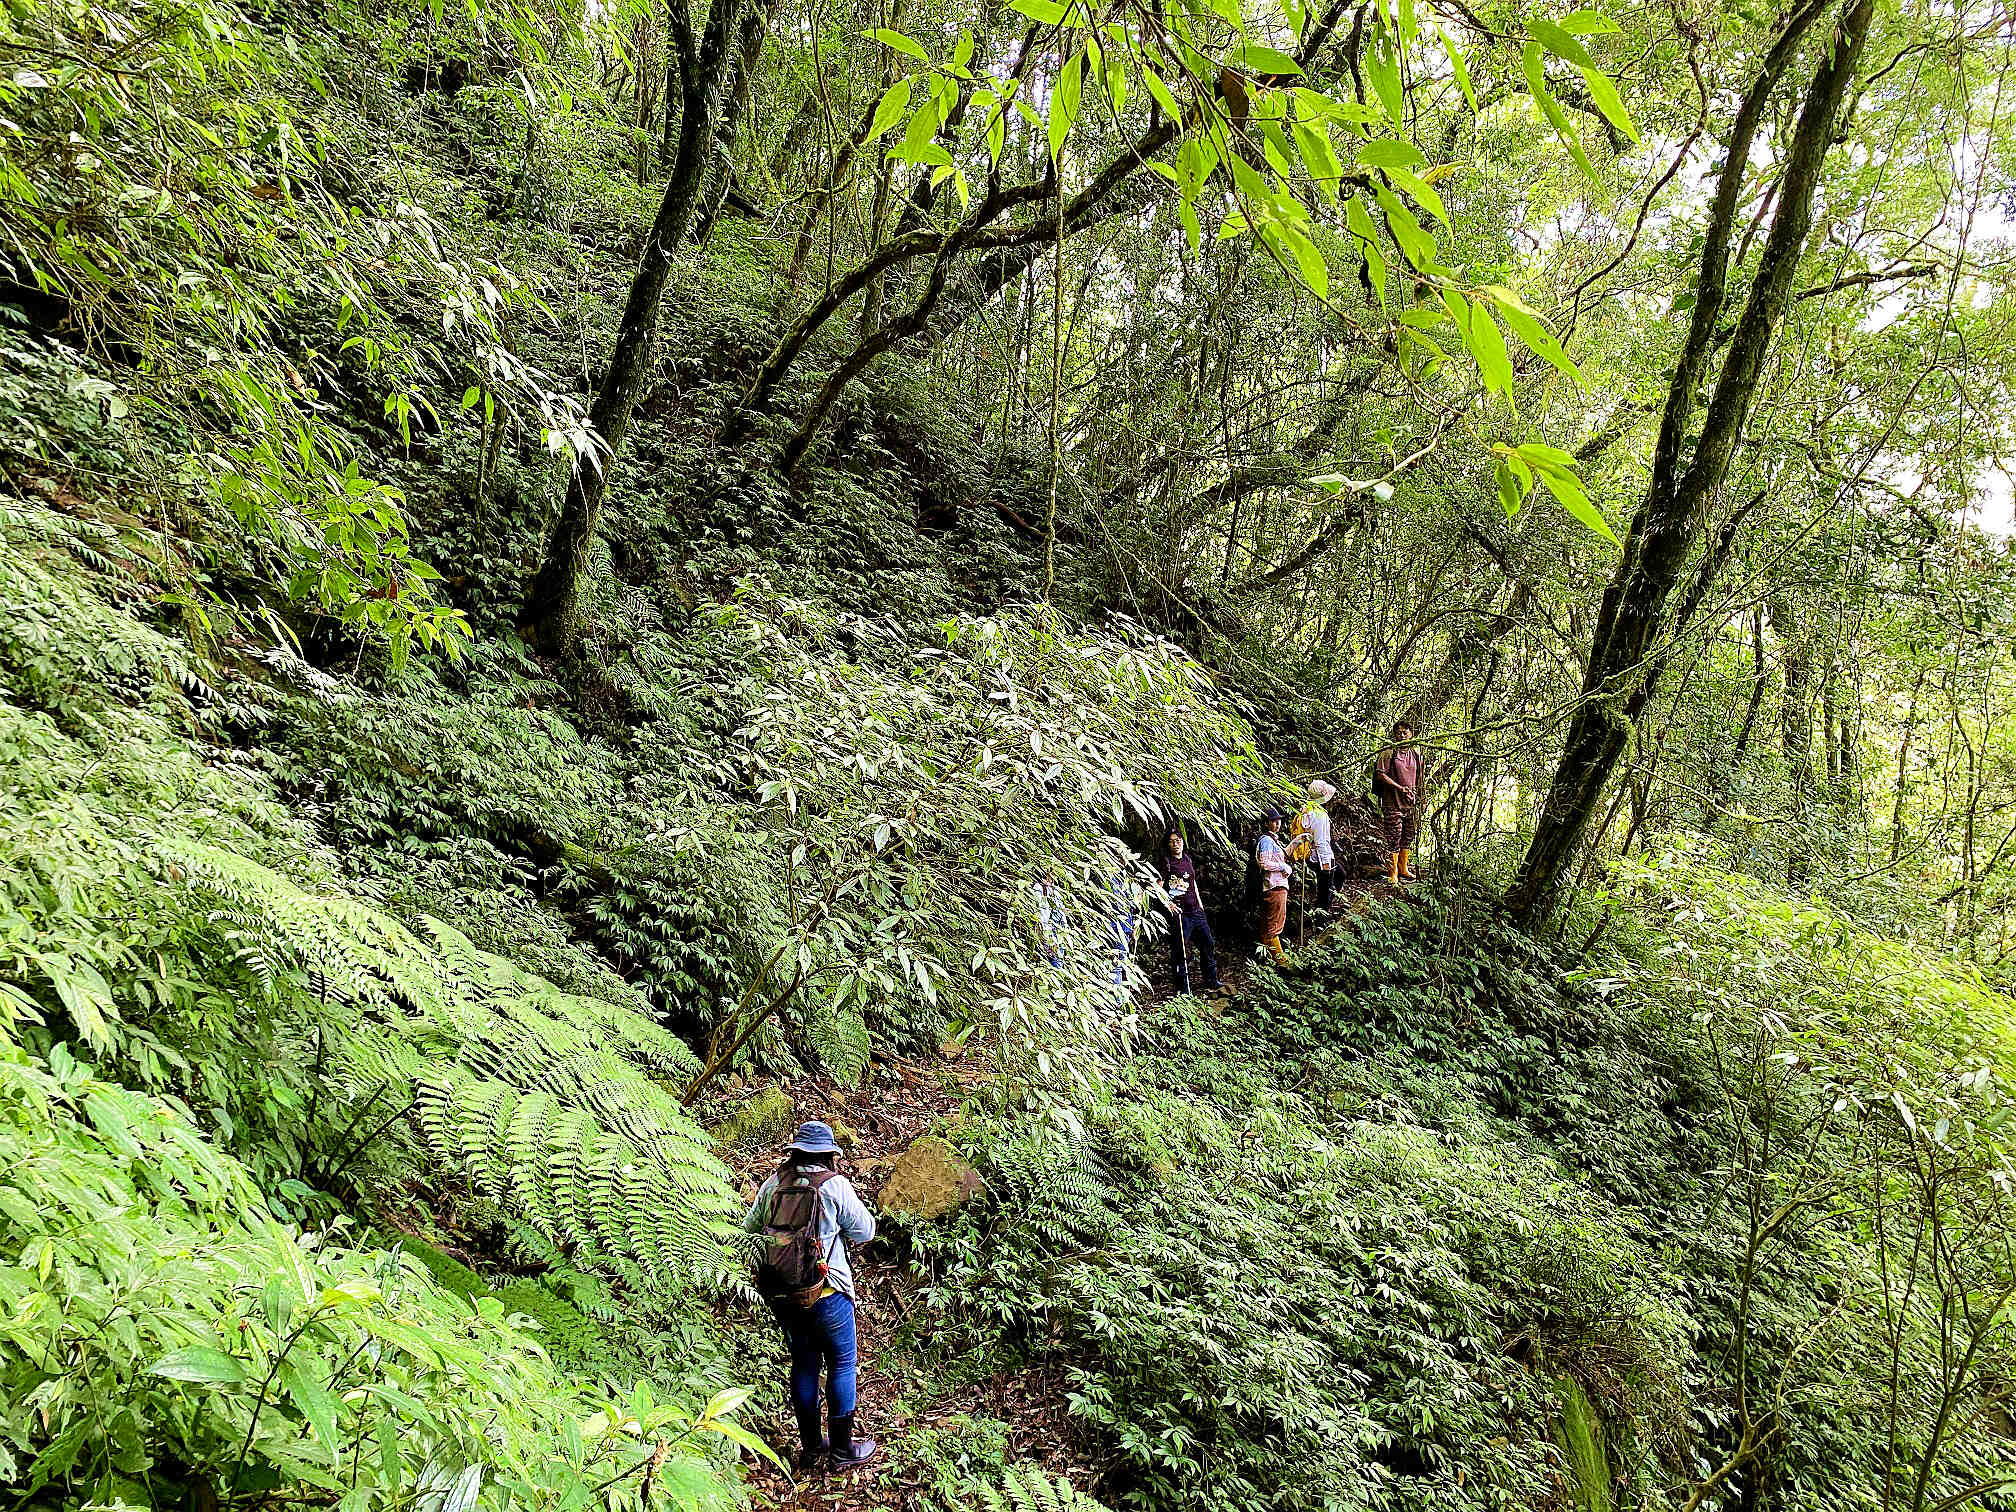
369 981
1383 1232
318 982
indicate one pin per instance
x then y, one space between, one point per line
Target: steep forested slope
567 574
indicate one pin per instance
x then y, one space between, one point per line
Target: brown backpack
792 1267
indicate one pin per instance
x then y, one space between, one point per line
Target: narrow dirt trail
901 1100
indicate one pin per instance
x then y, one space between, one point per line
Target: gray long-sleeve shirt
843 1219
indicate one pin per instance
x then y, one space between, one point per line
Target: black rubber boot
847 1450
812 1443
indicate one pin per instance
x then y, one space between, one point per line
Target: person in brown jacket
1397 776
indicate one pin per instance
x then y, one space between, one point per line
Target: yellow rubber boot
1274 946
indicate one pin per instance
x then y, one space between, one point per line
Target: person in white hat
1316 820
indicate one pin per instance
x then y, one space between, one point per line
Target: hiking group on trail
807 1213
1280 845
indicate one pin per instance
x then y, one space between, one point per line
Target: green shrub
168 1339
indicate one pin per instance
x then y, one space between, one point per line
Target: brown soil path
900 1100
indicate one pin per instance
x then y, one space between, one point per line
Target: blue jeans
821 1335
1196 930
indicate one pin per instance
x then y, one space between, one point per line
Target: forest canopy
573 576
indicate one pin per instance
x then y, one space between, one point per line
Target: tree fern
557 1107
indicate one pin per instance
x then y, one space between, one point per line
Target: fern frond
553 1105
1025 1488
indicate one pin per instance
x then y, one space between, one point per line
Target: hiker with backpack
1275 875
1189 927
808 1213
1397 776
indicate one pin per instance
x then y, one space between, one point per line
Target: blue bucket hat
814 1138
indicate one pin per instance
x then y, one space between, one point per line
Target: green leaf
1527 327
1114 77
1192 232
723 1403
1569 492
1604 93
921 131
1312 140
1416 243
896 40
1160 93
735 1433
1423 195
997 132
1588 23
1487 345
1435 356
1559 43
1360 221
1042 12
1258 59
1382 64
1460 68
1536 80
312 1398
86 997
1459 310
200 1364
1510 494
1390 152
1273 147
890 108
1308 260
1064 104
1543 458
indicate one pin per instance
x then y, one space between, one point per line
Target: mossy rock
927 1181
1579 1434
757 1121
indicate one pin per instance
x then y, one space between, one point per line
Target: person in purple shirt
1397 776
1189 928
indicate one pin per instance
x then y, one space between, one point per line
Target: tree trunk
549 618
885 179
748 54
645 43
1633 617
1720 782
668 141
1903 769
1795 725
